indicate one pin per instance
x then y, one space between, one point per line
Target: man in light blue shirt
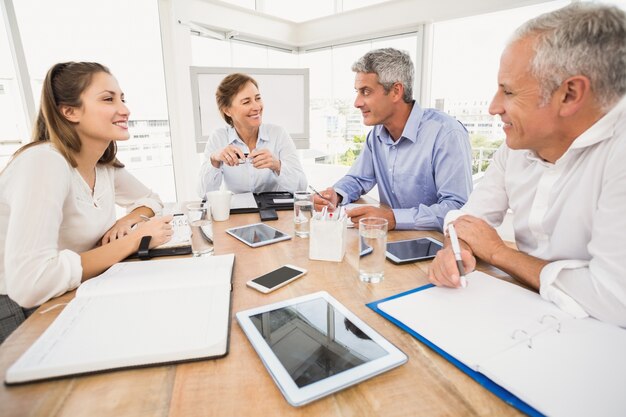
420 158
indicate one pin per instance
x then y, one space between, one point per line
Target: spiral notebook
179 243
524 349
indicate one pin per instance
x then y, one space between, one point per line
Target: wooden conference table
239 385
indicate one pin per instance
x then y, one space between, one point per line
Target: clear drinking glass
199 218
302 212
373 234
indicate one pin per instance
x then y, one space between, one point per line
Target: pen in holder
327 239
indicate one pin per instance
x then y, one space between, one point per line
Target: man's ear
574 93
70 113
398 91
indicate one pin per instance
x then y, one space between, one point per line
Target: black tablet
412 250
257 234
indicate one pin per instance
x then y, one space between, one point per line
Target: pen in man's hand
456 248
322 197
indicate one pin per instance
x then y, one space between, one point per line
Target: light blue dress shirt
245 178
422 176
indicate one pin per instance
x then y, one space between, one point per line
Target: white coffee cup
220 204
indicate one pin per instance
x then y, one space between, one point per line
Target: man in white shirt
562 171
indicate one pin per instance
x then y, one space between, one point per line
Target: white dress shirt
48 216
571 213
245 178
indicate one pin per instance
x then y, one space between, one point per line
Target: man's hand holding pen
444 270
327 198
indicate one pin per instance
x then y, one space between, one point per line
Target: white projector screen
285 94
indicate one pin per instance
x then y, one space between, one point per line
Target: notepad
181 235
243 201
545 358
136 314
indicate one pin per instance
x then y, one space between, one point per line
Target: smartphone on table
276 278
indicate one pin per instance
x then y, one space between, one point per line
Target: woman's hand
230 156
121 228
160 228
263 158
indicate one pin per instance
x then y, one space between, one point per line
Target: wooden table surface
239 385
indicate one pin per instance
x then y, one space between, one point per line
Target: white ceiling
382 19
302 10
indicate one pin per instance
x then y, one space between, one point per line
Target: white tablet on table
313 346
257 234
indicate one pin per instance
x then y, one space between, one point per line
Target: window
110 33
619 3
302 10
297 10
466 56
357 4
337 129
13 130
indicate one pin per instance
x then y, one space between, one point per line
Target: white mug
220 204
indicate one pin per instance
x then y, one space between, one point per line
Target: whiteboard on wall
285 94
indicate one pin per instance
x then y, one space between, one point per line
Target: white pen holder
327 239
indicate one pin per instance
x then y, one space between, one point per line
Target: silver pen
322 197
456 248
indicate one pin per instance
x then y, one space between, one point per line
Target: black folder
265 200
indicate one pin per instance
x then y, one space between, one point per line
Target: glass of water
199 218
373 234
302 212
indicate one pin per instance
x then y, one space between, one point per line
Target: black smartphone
276 278
268 214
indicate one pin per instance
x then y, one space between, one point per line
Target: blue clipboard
487 383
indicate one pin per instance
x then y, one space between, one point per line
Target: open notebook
179 244
521 347
136 314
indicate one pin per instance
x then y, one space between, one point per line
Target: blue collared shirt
422 176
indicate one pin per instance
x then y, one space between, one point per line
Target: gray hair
392 66
580 39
